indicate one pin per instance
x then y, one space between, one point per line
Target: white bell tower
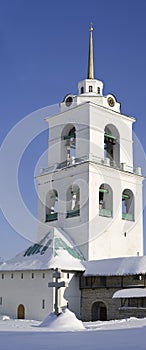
90 189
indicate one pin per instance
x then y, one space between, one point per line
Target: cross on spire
90 57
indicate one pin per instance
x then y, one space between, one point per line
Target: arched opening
128 205
82 89
69 145
52 206
112 144
73 201
99 311
90 88
21 312
105 200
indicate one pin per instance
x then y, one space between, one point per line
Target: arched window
69 144
90 88
73 201
105 201
127 205
112 145
82 89
52 206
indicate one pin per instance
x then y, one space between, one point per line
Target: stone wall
89 296
104 294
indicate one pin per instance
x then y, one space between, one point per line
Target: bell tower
90 189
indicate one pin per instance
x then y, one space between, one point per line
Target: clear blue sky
43 54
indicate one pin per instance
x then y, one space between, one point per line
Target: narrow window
67 275
82 90
123 302
21 275
43 275
105 200
112 145
73 201
32 275
127 205
90 88
43 304
12 275
3 276
1 300
98 90
52 206
68 148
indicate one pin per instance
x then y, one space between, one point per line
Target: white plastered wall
31 291
113 236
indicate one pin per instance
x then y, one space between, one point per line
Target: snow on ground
66 321
126 334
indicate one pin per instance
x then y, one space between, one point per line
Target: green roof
56 243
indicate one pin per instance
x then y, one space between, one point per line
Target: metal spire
90 57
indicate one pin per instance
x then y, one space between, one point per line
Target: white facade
34 294
100 155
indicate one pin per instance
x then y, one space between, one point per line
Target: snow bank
4 318
66 321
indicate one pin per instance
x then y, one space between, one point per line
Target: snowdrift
66 321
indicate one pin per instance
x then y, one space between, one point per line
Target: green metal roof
55 243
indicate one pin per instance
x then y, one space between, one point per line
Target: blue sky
44 53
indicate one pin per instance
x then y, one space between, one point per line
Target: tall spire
90 57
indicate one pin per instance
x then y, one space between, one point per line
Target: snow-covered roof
130 293
57 250
54 250
116 267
